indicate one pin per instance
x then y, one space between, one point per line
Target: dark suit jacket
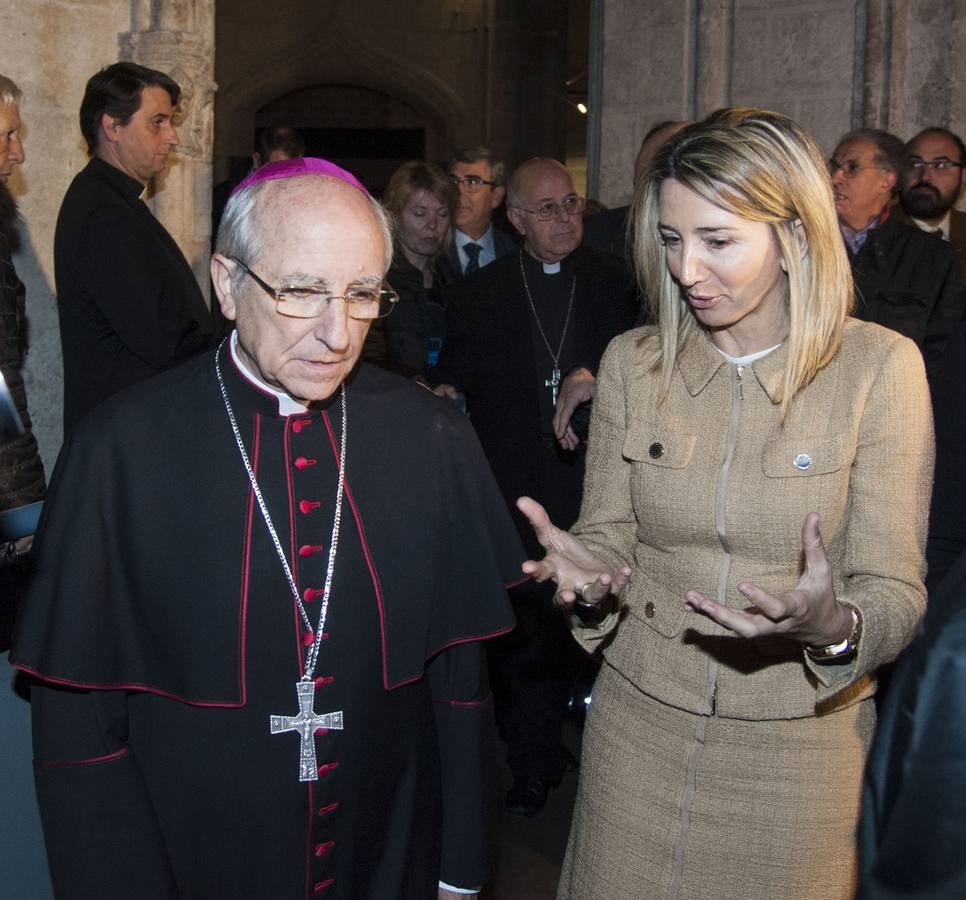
947 516
909 281
913 830
957 234
503 243
957 238
129 303
607 231
488 354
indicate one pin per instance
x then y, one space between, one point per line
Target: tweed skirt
679 806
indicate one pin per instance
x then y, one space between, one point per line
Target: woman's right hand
578 573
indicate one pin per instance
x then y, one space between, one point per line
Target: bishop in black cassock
165 637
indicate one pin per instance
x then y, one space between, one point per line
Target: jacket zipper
721 497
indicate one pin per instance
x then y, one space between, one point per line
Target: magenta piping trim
246 568
109 757
308 839
292 554
471 638
447 645
466 703
377 587
128 686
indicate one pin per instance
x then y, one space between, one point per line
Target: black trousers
534 669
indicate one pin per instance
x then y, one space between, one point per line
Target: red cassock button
309 594
321 886
308 638
309 549
328 808
299 424
306 506
325 768
323 680
302 462
324 847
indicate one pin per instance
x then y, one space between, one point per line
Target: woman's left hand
809 613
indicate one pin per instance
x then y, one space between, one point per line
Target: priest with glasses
263 582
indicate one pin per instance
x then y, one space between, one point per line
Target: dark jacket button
649 609
656 450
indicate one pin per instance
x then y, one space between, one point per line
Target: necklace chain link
570 305
312 654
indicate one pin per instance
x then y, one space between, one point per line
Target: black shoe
527 797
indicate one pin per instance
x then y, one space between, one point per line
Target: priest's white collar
287 406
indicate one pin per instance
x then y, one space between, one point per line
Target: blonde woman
422 201
750 546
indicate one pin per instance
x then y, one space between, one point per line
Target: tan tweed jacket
707 489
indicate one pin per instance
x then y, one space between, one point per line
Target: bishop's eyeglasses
309 301
569 206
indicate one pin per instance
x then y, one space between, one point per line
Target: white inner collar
287 405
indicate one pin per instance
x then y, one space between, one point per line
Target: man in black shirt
129 303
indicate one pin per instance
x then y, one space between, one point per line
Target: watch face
10 422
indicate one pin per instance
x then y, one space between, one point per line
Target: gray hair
470 155
238 233
889 150
10 94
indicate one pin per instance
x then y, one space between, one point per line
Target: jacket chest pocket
667 445
807 474
662 483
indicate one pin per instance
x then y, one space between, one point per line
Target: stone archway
334 56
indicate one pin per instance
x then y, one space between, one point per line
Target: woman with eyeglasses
422 201
750 545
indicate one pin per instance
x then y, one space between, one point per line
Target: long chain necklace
307 721
553 382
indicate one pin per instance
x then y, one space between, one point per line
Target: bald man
523 341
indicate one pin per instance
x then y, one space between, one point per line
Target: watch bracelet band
843 648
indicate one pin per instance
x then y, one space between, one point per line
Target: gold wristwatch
841 649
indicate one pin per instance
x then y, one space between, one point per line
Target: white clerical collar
287 405
942 226
749 358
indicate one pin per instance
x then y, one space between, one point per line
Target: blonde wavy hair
763 167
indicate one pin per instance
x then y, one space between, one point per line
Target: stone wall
831 64
50 50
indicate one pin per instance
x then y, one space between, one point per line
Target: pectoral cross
305 724
553 382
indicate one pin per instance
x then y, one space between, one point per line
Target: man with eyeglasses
262 587
524 338
478 174
129 303
904 279
932 183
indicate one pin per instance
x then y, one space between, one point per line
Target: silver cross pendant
305 723
553 382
